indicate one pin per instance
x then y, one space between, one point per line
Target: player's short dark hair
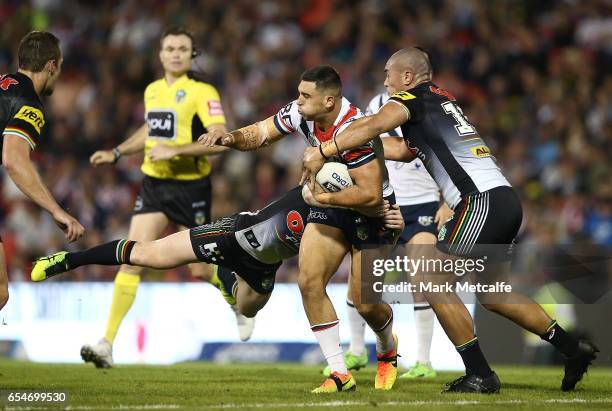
177 31
324 77
36 49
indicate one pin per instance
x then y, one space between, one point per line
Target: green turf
285 387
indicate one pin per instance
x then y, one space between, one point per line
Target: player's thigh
249 301
422 237
4 293
168 252
199 270
421 245
321 251
145 227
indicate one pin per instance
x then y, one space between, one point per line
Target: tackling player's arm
366 128
359 132
397 150
134 144
247 138
19 166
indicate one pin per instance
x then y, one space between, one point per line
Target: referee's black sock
473 358
562 341
113 253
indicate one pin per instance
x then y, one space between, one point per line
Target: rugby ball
334 177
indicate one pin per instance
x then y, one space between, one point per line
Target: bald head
406 69
412 59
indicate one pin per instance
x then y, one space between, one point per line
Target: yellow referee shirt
177 115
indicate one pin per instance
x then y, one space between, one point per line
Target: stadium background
533 76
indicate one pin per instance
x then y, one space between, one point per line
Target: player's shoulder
349 111
288 119
19 96
18 86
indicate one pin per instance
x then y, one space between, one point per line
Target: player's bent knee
310 284
250 303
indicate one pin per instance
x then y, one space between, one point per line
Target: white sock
424 320
357 326
384 337
328 336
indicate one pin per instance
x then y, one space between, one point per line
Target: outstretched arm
163 151
390 116
246 138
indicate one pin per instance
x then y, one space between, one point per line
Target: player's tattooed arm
246 138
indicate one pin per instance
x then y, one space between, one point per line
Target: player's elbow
14 160
10 164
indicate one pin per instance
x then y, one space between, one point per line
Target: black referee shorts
185 203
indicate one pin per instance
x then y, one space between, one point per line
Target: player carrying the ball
318 114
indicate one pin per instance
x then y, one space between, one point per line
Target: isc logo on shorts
425 220
33 116
161 124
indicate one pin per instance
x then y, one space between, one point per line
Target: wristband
321 151
117 154
337 148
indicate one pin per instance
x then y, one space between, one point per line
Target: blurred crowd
533 76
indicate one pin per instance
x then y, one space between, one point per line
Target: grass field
286 387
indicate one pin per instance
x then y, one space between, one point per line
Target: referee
176 188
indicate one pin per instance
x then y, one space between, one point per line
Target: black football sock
562 341
228 279
473 358
116 252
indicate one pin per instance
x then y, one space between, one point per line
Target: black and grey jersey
449 146
273 233
21 111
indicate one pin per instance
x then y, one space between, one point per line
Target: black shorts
360 231
491 217
418 218
216 243
185 203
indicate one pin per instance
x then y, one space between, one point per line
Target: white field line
418 403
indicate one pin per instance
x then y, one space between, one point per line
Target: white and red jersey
410 181
288 120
